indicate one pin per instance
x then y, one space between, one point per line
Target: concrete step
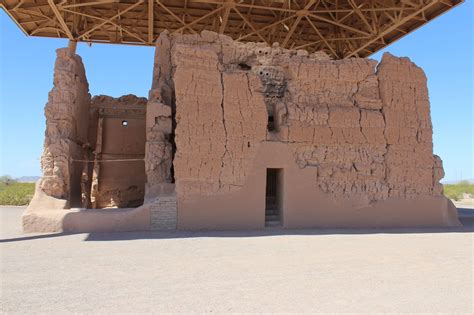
271 212
272 223
272 217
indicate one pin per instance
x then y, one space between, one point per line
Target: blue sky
443 48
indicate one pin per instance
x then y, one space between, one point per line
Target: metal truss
342 29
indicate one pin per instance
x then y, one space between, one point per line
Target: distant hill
27 179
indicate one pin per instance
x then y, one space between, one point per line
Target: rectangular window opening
273 197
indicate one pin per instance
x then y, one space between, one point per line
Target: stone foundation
351 138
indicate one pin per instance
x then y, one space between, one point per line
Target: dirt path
357 271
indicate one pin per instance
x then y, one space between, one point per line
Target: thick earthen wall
118 135
67 115
360 131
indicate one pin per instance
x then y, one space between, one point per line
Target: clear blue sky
443 48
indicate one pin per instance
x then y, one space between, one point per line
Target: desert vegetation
14 193
456 191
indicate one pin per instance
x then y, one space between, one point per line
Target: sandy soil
317 271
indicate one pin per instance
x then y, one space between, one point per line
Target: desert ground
317 271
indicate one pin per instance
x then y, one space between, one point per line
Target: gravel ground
317 271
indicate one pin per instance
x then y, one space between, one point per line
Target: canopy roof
341 28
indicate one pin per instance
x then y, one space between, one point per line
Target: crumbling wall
66 114
365 128
220 118
117 133
159 124
334 124
412 169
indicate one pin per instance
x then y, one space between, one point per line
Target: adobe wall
67 115
80 131
117 133
353 138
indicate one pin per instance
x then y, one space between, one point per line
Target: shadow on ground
466 216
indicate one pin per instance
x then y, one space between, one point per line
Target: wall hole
271 123
124 123
244 66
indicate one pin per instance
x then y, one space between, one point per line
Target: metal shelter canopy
341 28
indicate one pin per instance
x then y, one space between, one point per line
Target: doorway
273 197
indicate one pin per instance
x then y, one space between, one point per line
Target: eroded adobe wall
67 115
363 140
411 167
117 133
159 124
359 133
160 196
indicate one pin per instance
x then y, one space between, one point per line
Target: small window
124 123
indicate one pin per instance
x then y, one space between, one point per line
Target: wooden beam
60 19
255 31
321 36
110 19
188 25
347 27
175 17
391 28
90 3
120 27
300 14
361 15
228 6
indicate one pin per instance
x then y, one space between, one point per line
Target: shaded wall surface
118 132
353 138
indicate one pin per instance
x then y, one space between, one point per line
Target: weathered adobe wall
359 134
73 136
78 128
122 183
159 125
67 115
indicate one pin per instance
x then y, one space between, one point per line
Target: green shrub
15 194
456 191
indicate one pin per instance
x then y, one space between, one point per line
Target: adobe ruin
241 136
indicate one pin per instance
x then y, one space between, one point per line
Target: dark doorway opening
273 197
271 123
